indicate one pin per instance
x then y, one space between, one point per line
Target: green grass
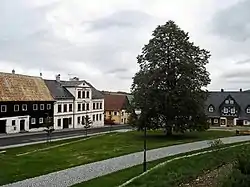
120 177
99 148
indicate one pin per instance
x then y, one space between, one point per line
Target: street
16 139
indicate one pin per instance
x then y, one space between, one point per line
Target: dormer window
248 110
211 109
227 101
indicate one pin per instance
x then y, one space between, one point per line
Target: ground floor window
70 121
216 121
59 121
79 120
33 120
40 120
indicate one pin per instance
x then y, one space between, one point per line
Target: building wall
15 127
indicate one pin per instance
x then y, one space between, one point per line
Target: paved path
20 139
86 172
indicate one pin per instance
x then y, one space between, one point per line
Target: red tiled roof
114 102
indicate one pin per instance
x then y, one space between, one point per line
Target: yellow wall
121 117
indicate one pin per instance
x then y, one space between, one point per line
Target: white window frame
216 121
48 106
40 120
231 102
3 108
41 106
16 109
24 107
225 110
211 109
248 110
35 106
14 122
33 121
233 110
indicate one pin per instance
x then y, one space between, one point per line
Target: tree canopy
169 85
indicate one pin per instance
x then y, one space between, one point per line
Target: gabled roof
73 83
216 99
58 91
115 102
15 87
96 94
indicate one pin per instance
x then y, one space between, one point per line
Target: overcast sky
98 40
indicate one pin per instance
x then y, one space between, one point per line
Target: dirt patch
210 178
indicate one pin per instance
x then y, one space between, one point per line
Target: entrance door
3 126
22 125
65 123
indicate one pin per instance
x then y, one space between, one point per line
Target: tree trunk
169 129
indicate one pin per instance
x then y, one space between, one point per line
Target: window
110 113
3 108
35 107
65 108
87 106
122 120
93 106
41 106
70 121
215 120
79 94
87 94
40 120
59 108
83 106
33 120
123 113
233 110
211 109
59 122
79 107
115 113
227 101
16 108
96 117
13 122
48 106
83 120
248 110
97 105
231 102
100 105
79 120
70 107
100 117
93 117
225 110
83 94
24 107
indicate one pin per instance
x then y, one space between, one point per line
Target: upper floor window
16 108
248 110
48 106
100 105
211 109
225 110
65 108
70 107
79 94
231 102
35 107
83 107
233 110
87 94
93 106
87 106
41 106
79 107
24 107
59 108
83 94
227 101
97 105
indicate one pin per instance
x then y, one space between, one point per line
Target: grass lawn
78 153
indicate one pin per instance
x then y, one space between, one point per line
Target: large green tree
169 87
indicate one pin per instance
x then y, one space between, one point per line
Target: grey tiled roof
58 91
217 98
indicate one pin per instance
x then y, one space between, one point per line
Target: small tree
87 124
49 127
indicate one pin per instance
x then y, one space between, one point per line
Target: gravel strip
90 171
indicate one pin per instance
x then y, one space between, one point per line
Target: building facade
75 100
25 103
228 108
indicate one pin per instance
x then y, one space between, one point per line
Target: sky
99 40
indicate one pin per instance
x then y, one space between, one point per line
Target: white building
76 99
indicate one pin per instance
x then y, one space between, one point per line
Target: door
22 125
3 126
65 123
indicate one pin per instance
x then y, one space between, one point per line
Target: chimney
13 71
241 90
222 90
58 78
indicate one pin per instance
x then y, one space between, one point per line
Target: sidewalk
79 174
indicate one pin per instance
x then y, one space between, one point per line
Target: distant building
228 108
25 103
75 100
